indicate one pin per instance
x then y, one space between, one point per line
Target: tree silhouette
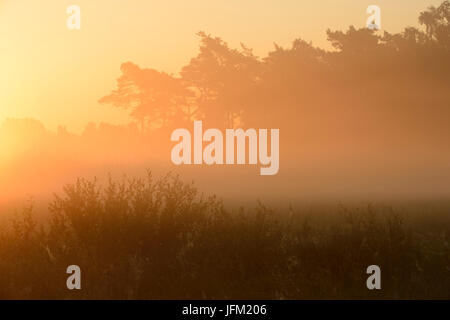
154 97
437 23
222 77
233 87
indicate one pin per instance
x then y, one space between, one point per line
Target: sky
57 75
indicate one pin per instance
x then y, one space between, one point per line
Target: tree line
233 87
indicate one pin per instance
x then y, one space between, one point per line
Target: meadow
159 238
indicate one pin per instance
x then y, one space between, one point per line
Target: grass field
160 239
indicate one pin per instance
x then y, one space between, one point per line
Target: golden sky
56 75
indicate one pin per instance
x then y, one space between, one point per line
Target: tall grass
160 239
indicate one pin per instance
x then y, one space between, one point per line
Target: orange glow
106 98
